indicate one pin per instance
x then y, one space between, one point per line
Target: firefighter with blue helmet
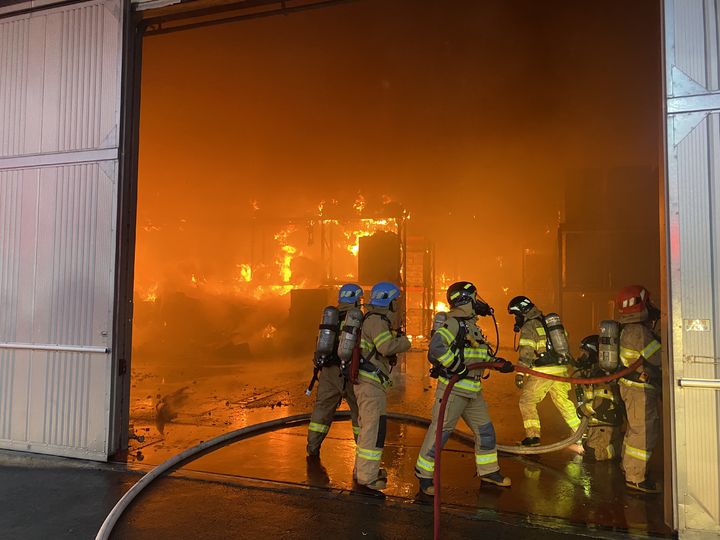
333 385
453 346
380 343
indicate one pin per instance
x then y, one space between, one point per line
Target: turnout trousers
534 391
372 410
332 388
643 426
473 410
600 439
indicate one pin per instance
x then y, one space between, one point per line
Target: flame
269 331
441 306
193 279
285 270
246 272
368 227
149 227
360 204
255 205
151 294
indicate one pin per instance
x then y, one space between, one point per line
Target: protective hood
462 312
392 315
534 313
639 317
344 308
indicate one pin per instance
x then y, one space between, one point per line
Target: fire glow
305 253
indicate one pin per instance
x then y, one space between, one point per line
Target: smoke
472 116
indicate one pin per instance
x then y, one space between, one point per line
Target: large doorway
511 144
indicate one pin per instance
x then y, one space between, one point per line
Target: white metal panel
59 133
693 199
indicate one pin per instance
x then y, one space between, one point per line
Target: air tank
325 347
349 335
557 335
609 346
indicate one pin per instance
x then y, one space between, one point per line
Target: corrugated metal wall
693 199
59 133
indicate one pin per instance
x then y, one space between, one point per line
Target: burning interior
280 157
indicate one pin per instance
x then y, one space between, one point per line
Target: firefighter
454 345
380 344
333 385
536 353
600 402
640 389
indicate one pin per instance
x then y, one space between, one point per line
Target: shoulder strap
460 337
373 352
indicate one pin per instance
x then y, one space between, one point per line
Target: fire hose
290 421
236 435
512 449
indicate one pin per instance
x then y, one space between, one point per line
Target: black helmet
461 293
520 305
590 344
464 292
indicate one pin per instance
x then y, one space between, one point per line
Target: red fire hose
497 365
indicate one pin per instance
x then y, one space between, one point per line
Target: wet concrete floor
178 404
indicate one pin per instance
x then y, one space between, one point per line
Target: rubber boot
427 487
646 486
530 441
497 479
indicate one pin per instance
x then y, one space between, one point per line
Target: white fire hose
289 421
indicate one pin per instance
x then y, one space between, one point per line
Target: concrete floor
201 400
47 497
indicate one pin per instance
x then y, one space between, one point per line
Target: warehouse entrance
280 157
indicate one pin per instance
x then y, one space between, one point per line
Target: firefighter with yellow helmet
380 342
333 385
454 345
640 389
538 352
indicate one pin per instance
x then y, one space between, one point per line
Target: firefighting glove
520 380
506 366
462 373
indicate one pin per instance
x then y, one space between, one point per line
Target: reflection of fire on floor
197 405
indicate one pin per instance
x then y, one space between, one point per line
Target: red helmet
632 299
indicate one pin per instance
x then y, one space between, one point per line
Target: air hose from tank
511 449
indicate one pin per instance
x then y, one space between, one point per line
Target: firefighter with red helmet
640 389
456 344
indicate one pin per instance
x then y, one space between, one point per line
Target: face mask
519 321
481 308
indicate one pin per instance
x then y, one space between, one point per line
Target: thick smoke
473 116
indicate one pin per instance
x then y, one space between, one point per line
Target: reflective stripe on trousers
473 410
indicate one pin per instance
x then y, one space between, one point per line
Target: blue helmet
383 294
349 293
